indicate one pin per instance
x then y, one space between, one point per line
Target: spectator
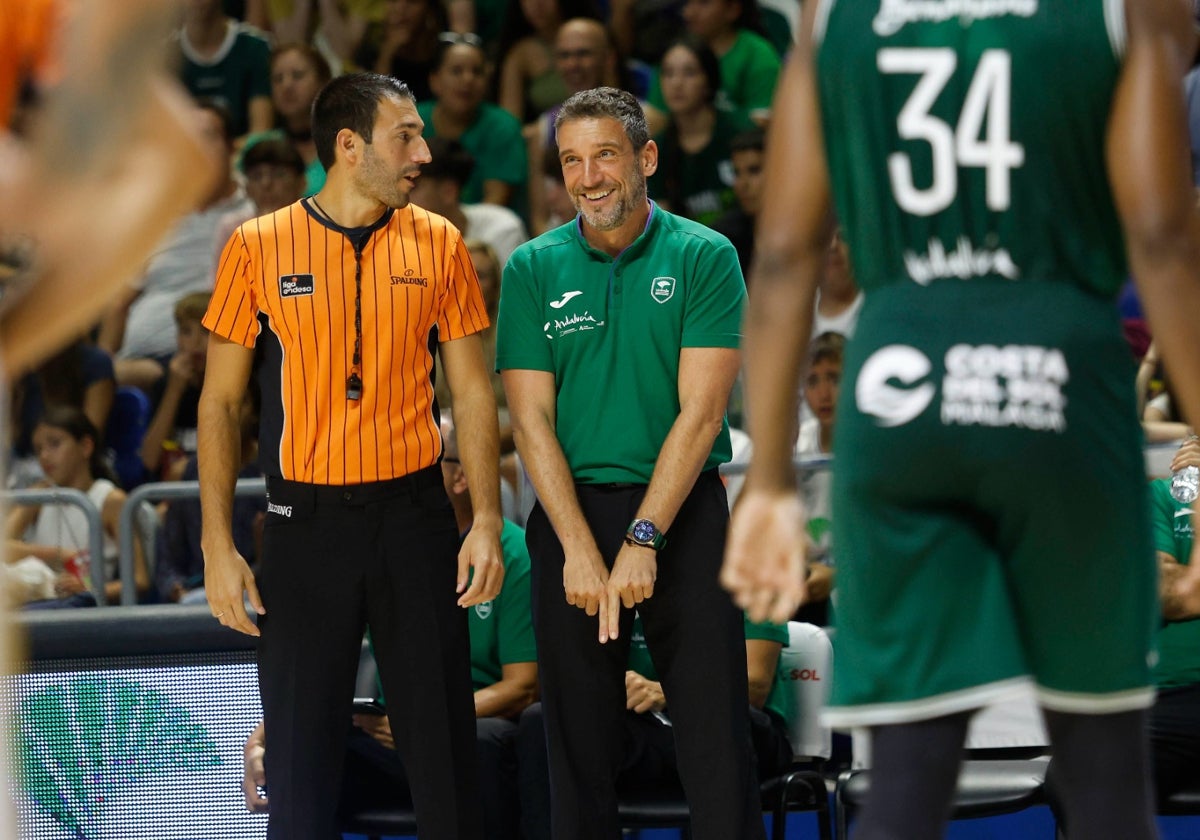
504 673
228 62
179 561
749 64
584 57
555 206
643 28
822 384
839 299
1175 716
746 155
275 177
695 175
529 82
492 136
139 326
440 188
171 436
68 447
405 43
79 375
298 71
332 27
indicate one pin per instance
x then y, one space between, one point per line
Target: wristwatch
645 533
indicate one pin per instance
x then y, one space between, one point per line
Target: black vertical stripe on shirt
331 372
270 384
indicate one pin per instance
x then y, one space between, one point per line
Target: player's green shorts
990 506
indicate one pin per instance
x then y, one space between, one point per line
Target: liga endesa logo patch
294 285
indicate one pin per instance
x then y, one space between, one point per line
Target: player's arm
226 574
705 379
1150 173
112 161
532 407
762 659
476 417
1174 606
510 696
765 551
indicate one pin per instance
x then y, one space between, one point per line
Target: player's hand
764 554
643 695
481 562
253 774
584 580
227 579
630 582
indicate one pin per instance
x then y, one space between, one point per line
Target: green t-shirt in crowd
698 185
495 141
749 72
502 630
640 661
611 330
1178 641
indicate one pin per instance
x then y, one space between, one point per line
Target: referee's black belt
354 495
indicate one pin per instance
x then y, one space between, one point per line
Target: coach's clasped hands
589 585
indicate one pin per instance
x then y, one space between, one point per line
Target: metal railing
157 492
71 496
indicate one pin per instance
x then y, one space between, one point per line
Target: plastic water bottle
1185 485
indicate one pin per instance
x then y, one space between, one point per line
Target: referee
347 295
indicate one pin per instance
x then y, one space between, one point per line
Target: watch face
644 531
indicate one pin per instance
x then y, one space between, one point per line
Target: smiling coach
618 337
346 294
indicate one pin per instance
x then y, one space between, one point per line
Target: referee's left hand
480 562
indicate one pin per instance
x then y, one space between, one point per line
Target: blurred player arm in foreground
1150 173
764 556
109 165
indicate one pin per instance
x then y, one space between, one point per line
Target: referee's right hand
227 576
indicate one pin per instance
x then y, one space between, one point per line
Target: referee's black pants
337 560
697 642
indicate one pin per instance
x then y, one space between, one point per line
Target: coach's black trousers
336 560
696 640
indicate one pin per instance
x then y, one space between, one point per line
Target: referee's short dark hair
450 161
609 102
351 101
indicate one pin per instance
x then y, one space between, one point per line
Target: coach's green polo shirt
610 330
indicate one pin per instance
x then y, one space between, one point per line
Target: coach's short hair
611 102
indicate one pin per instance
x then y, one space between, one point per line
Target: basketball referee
347 295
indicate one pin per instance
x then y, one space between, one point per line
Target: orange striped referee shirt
287 281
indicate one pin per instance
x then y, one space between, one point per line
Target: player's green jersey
966 138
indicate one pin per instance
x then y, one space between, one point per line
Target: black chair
377 823
1182 803
987 787
800 789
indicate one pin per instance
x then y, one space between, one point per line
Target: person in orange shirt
347 295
